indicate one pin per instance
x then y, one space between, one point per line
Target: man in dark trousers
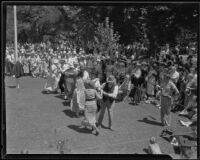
110 91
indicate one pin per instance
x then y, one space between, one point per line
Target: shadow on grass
47 92
59 96
152 118
69 113
145 120
133 103
66 103
80 130
11 86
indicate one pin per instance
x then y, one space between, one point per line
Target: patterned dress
78 99
51 83
91 95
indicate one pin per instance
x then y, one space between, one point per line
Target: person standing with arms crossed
110 91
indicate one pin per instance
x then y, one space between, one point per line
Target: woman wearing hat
168 88
110 91
91 95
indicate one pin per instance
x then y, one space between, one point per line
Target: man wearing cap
110 91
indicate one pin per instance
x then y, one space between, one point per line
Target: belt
93 99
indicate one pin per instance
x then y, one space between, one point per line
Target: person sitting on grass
154 147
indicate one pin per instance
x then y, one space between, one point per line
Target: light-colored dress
52 82
91 95
78 99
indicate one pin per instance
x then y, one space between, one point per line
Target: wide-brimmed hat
111 79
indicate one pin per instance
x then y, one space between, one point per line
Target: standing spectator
167 90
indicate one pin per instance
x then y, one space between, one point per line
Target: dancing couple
107 94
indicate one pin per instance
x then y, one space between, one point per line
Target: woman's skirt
166 103
50 84
69 86
81 99
150 89
74 103
18 70
90 112
44 68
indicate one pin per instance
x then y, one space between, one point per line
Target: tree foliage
106 40
159 24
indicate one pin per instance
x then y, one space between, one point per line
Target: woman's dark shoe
95 132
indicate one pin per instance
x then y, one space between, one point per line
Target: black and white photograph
100 78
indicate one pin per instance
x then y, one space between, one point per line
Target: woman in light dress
51 84
91 97
78 99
